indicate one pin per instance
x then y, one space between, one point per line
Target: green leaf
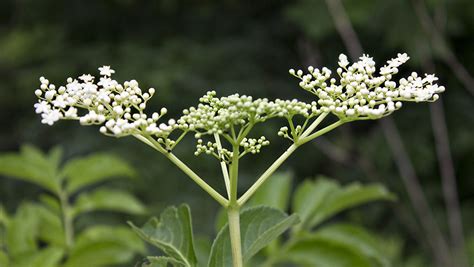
104 246
321 253
51 202
348 197
48 257
259 226
54 156
354 237
4 217
161 262
275 192
100 254
31 165
309 196
109 200
94 169
172 233
202 247
22 231
4 260
50 228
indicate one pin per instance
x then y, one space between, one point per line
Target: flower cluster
361 93
119 108
233 116
225 114
252 145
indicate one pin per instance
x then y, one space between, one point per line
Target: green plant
222 126
312 241
44 234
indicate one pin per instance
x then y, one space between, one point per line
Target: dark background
184 48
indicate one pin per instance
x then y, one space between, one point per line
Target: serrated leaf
48 257
104 246
355 238
108 200
94 169
31 165
275 192
309 196
348 197
172 233
259 226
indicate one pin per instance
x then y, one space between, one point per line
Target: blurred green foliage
44 233
184 48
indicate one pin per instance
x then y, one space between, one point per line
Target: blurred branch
416 194
402 159
448 176
344 27
439 41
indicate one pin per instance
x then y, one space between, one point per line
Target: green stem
198 180
320 132
234 174
314 125
225 172
67 219
233 210
266 174
302 139
235 240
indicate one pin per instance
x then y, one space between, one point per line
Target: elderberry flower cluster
361 93
227 114
119 108
235 115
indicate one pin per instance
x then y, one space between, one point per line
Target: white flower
59 102
86 78
71 113
42 107
343 62
51 117
106 71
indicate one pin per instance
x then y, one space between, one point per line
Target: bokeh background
424 153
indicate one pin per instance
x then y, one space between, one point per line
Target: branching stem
181 165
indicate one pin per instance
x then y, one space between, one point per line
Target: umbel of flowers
222 125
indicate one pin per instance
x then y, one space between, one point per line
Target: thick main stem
234 232
233 210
